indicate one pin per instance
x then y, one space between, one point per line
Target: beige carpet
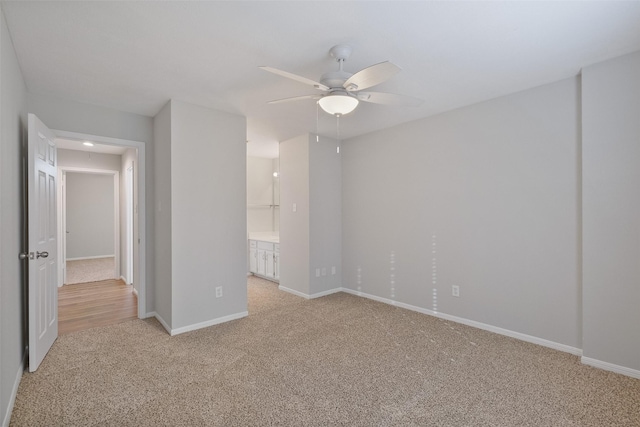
334 361
90 270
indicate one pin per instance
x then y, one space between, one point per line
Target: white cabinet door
269 264
276 266
262 261
253 260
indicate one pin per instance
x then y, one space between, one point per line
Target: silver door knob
42 254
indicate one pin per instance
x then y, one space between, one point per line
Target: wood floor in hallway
88 305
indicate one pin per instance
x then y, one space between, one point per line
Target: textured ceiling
135 56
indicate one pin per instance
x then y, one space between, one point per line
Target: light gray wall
87 160
310 238
611 211
13 124
276 194
162 212
70 116
209 229
294 226
90 215
325 214
492 189
260 187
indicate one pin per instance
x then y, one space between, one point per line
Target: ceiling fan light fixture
338 103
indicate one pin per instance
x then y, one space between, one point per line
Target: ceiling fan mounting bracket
341 52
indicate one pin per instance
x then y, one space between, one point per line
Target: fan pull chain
338 132
317 118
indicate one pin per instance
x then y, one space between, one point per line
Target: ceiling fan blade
295 98
295 77
389 99
371 76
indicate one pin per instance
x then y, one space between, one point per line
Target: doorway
89 226
131 243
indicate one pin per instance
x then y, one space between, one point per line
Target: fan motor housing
335 79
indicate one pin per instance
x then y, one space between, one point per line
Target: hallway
88 305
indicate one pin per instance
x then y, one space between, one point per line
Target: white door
42 253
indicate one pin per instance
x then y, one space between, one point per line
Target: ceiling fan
341 90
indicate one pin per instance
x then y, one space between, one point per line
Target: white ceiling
135 56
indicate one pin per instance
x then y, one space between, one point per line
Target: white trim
90 257
506 332
208 323
633 373
142 204
312 296
14 392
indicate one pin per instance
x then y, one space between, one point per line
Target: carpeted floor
90 270
339 360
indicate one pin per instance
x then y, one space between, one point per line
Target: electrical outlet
317 272
455 290
333 270
295 207
324 271
219 292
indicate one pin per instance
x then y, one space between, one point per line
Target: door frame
62 217
139 178
129 207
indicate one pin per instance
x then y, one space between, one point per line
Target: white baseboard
523 337
196 326
90 257
14 391
633 373
312 296
208 323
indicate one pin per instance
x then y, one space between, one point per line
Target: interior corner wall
71 116
208 209
294 226
483 197
325 215
260 187
276 194
162 213
13 131
611 211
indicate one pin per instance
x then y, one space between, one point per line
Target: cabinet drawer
252 244
267 246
